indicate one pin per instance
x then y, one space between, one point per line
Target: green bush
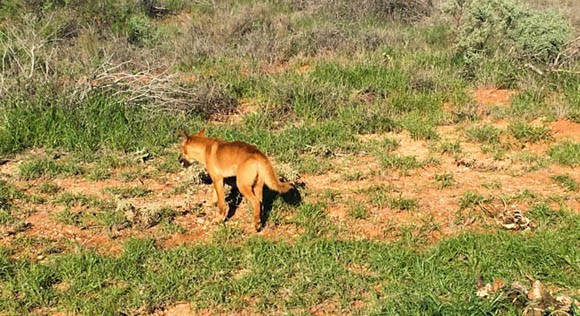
500 29
540 36
141 31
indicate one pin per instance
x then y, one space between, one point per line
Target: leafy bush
504 29
540 36
140 31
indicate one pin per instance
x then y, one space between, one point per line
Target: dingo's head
192 148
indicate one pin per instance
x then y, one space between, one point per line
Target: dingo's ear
182 133
201 133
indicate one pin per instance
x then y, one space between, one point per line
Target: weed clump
524 132
567 153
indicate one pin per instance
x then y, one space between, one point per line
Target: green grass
7 194
533 162
404 163
444 180
49 188
366 73
69 217
566 153
69 199
128 192
566 182
222 276
358 211
471 199
403 204
46 167
484 134
101 122
313 219
420 128
524 132
448 147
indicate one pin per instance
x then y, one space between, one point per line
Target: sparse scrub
448 147
498 31
444 180
354 176
46 167
358 211
566 153
128 192
485 134
567 182
524 132
49 188
493 185
404 163
403 204
471 199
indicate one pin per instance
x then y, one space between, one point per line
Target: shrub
140 31
505 28
540 36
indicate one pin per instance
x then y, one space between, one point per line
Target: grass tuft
524 132
566 153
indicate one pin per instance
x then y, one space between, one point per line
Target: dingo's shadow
234 198
291 197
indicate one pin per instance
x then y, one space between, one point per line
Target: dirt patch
493 96
275 68
179 309
487 99
565 130
245 107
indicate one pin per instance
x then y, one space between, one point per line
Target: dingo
222 159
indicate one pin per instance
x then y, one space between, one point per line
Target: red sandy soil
493 96
435 217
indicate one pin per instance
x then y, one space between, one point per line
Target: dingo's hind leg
246 182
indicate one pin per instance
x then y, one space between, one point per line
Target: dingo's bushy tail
266 172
